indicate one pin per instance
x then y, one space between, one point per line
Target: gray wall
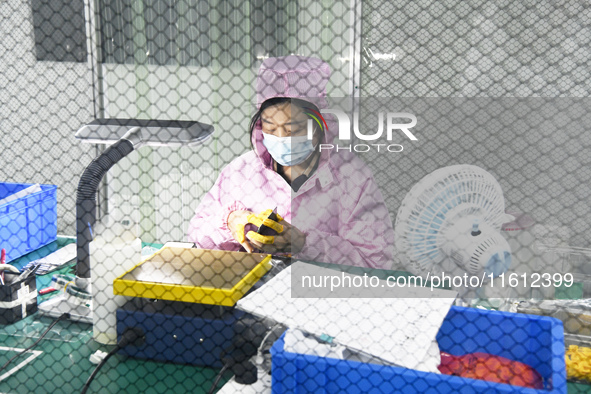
538 150
42 104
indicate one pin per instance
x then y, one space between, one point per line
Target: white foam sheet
397 330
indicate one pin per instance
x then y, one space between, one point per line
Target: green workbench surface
578 388
63 365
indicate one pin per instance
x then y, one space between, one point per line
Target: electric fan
449 223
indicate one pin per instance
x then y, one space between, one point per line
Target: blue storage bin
27 223
537 341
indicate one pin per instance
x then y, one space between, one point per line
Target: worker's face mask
288 151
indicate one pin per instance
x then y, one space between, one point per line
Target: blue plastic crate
28 223
534 340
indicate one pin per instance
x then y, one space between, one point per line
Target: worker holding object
329 207
281 236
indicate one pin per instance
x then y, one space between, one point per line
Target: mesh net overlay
295 196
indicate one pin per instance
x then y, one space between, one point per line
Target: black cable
62 317
217 379
129 336
93 374
251 333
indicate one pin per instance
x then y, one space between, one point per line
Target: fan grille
434 204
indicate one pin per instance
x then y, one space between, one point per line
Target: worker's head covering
300 77
293 76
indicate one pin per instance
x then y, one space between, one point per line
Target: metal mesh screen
294 196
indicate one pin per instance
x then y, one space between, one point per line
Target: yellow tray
201 276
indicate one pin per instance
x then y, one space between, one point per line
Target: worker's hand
237 221
263 219
288 239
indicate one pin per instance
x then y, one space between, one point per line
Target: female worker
329 205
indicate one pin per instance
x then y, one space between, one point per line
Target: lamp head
140 132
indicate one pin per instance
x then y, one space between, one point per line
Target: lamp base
57 306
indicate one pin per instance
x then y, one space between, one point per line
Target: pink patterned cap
293 76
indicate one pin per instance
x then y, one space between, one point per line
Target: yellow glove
259 220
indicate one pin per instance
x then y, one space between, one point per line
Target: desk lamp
124 136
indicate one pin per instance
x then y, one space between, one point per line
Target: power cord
259 357
62 317
237 358
129 336
218 378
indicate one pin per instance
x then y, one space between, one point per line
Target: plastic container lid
203 276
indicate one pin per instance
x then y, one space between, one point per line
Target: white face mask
288 151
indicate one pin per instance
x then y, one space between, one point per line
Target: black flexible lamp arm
129 134
86 202
125 135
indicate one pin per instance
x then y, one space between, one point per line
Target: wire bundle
578 363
